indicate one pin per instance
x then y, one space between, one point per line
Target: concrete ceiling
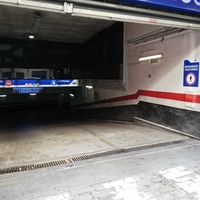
16 23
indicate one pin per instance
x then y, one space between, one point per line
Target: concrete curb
141 121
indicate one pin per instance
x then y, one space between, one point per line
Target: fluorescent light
3 95
32 94
151 57
89 86
31 36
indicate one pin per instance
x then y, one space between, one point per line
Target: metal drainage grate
84 157
96 155
119 151
163 144
32 167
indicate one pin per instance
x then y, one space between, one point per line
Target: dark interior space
103 54
97 58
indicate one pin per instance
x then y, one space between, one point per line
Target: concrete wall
179 119
158 85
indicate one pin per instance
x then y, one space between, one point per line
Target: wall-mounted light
153 57
32 94
3 95
89 87
71 95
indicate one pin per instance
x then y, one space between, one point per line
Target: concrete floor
36 138
164 173
168 172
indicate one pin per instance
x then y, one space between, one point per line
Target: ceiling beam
35 5
107 11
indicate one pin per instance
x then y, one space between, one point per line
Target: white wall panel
164 76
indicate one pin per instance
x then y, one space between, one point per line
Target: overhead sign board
191 74
184 5
13 83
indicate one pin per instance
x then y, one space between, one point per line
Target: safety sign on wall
191 74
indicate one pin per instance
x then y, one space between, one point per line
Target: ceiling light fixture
31 35
151 57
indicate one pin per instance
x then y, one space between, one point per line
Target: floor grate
119 151
96 155
32 166
153 146
84 157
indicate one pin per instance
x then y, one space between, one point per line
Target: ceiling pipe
158 34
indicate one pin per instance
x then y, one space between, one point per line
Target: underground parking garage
91 77
100 44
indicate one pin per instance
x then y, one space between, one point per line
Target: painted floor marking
64 196
187 180
126 189
129 188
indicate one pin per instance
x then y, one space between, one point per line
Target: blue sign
184 5
27 90
191 74
11 83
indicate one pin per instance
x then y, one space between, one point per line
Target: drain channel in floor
85 157
119 151
32 166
